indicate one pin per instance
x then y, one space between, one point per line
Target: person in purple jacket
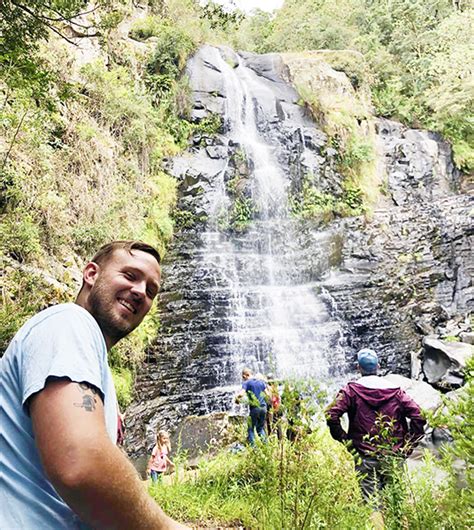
369 402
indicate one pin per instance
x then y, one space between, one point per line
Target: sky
248 5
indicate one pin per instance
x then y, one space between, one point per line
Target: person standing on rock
257 394
373 403
61 466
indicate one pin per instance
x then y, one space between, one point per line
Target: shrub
146 27
23 294
172 48
311 203
309 483
20 237
242 212
346 120
123 382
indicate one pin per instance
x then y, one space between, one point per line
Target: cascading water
278 319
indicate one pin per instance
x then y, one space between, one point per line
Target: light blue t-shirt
61 341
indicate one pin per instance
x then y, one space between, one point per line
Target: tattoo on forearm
88 397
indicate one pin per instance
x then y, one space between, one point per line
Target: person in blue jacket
256 391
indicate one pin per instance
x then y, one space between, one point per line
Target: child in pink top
159 460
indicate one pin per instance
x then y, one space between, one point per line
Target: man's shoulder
256 384
58 316
60 325
375 382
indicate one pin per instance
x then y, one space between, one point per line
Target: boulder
467 337
444 362
427 397
416 366
204 434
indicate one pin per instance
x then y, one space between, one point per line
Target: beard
102 304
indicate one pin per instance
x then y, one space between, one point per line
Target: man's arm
417 422
89 472
334 414
239 396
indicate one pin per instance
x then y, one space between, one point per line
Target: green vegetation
209 126
240 214
418 52
82 148
123 382
25 292
310 482
311 203
242 208
343 110
458 417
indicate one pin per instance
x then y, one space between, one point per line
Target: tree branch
61 17
69 19
48 21
12 143
41 19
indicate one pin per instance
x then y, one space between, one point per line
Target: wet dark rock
198 435
444 362
441 436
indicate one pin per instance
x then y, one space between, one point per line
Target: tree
22 27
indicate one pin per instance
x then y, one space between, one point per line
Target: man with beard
62 469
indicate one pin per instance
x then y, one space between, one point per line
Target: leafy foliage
242 212
419 54
307 480
219 17
22 26
25 292
458 418
173 46
82 160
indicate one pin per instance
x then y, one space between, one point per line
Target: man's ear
90 273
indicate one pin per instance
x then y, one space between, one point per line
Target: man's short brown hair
105 252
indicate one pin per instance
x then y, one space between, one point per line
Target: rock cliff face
246 283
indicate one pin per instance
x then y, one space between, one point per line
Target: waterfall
279 294
278 319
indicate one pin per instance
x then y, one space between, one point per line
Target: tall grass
311 482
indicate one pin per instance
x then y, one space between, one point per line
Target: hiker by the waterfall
274 414
378 412
61 466
159 460
255 389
